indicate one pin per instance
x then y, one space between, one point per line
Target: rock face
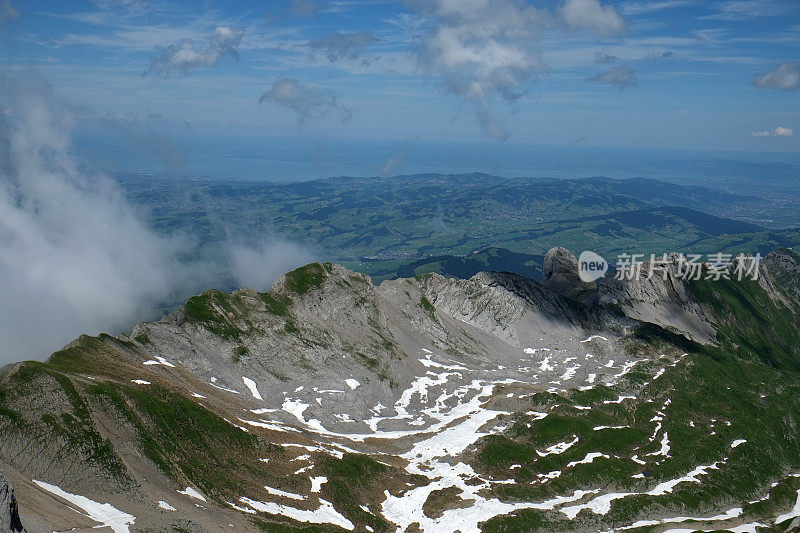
560 275
559 269
9 514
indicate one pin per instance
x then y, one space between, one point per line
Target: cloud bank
185 56
785 77
75 257
305 101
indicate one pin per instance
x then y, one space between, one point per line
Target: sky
311 88
710 74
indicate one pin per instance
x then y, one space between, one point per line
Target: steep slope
495 403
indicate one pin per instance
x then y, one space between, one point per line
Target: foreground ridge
424 404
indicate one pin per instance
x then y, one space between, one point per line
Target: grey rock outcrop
559 269
560 275
9 514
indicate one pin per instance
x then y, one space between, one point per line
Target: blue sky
667 73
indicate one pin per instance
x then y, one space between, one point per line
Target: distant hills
389 227
490 259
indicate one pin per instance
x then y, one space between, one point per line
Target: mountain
495 403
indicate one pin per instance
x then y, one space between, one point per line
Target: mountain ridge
301 376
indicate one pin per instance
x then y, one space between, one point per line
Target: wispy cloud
658 56
8 12
185 56
735 10
305 101
128 6
603 58
305 8
339 45
620 77
785 77
642 8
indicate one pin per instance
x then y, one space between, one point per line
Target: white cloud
592 15
780 131
185 56
484 50
305 101
479 50
785 77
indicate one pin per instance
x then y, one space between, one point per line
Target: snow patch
794 513
104 513
324 514
192 493
593 337
279 492
165 505
317 482
250 384
159 361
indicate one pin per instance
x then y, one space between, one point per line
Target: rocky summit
496 403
